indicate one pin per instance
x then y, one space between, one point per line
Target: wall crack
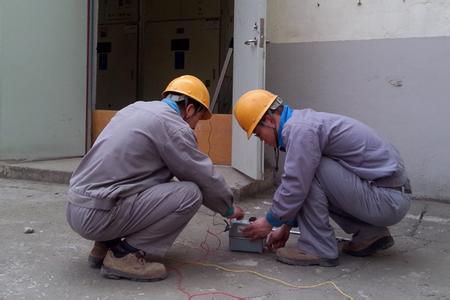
416 225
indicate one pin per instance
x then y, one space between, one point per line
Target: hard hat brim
206 115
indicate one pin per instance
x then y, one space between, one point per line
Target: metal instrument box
238 242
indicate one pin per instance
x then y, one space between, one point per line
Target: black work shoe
367 247
97 255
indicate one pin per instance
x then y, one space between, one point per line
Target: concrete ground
51 262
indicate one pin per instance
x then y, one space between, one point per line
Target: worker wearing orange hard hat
335 166
121 195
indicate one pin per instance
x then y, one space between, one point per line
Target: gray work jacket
145 144
308 135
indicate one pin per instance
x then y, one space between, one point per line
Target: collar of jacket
285 115
172 104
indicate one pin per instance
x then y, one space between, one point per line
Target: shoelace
140 255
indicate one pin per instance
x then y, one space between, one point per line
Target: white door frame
247 156
91 76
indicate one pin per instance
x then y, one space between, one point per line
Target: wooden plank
213 136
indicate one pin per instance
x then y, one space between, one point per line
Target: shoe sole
95 262
381 244
116 274
321 262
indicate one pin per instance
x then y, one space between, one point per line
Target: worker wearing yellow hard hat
190 87
121 195
335 166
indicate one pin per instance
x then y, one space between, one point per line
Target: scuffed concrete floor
51 262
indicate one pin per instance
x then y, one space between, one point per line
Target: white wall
386 63
335 20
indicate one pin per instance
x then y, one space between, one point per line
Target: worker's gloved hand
238 213
258 229
278 238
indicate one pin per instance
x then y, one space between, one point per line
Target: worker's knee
326 169
192 196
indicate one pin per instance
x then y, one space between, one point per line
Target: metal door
174 48
43 78
117 66
248 74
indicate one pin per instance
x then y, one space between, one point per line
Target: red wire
203 246
217 293
190 296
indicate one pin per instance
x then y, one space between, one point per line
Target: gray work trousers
357 206
150 220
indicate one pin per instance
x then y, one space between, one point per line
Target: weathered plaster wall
398 84
334 20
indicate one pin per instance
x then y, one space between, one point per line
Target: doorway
143 44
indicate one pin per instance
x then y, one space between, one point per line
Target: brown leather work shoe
132 266
367 247
298 257
97 255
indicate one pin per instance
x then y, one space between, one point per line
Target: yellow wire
329 282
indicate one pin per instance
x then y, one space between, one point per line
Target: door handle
252 42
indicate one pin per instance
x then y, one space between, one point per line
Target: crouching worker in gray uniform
121 195
335 167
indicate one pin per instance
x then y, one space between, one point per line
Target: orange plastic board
214 138
100 119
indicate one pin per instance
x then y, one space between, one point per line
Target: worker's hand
238 213
278 238
258 229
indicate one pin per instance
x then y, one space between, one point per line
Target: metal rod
222 75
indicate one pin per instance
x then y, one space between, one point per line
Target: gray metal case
238 242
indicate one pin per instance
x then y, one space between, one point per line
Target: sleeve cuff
229 212
277 223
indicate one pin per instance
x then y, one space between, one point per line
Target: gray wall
401 87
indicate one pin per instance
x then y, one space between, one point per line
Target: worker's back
127 156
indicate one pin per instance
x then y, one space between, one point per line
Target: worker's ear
190 111
269 119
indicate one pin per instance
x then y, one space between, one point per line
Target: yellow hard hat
251 107
192 87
